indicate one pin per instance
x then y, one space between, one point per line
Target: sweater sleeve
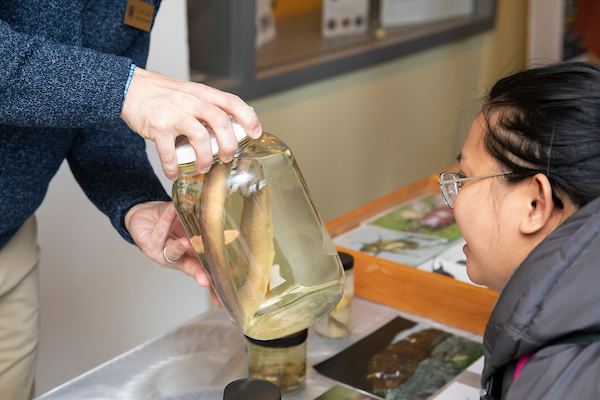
112 168
46 84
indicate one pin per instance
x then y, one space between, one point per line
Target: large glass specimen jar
255 228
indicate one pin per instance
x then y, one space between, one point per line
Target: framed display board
414 288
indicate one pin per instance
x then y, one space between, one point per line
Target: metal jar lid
244 389
288 341
347 260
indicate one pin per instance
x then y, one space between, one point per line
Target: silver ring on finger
167 258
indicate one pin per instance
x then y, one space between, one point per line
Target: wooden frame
419 292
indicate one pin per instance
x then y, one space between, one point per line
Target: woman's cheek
473 270
462 217
467 223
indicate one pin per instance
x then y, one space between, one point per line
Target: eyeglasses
451 183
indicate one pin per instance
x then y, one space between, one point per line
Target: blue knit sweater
63 69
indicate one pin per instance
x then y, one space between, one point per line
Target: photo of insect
438 218
438 268
427 216
396 245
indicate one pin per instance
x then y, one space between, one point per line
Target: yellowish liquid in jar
299 290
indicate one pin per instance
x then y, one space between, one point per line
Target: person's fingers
199 139
178 230
175 250
247 118
160 108
201 276
220 123
232 105
181 258
215 298
162 230
238 109
192 267
165 146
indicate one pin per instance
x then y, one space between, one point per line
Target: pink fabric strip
520 365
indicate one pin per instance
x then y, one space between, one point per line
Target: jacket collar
536 305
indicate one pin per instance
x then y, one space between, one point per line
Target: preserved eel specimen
257 232
212 203
244 289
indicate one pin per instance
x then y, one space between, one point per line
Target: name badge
139 14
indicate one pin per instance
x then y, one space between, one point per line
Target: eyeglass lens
449 190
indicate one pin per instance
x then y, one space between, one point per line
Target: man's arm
46 84
112 168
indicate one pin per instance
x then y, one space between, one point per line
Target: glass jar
256 230
337 323
280 361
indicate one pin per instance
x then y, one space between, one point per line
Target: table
199 358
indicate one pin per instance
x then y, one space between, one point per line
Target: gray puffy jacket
553 295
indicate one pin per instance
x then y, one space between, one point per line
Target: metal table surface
199 358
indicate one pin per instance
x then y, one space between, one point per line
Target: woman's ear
538 194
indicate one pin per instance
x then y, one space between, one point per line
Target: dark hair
549 122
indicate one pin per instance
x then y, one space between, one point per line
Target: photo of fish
339 392
459 391
426 215
452 262
402 360
400 247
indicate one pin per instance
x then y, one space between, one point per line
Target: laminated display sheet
403 360
407 252
198 359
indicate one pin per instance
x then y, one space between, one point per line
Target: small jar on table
337 323
280 361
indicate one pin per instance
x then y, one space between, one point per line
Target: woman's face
488 213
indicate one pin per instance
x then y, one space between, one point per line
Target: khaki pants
19 313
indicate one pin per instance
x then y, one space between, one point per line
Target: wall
100 295
357 137
365 134
544 41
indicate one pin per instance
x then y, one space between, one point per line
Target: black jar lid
347 260
249 388
288 341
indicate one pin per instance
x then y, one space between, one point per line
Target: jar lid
347 260
185 151
249 388
288 341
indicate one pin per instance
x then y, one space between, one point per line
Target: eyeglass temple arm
475 177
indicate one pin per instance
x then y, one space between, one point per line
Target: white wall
100 295
545 32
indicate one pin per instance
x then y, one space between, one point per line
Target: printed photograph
426 215
400 247
452 262
402 360
458 391
343 393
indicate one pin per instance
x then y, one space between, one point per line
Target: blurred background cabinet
257 47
